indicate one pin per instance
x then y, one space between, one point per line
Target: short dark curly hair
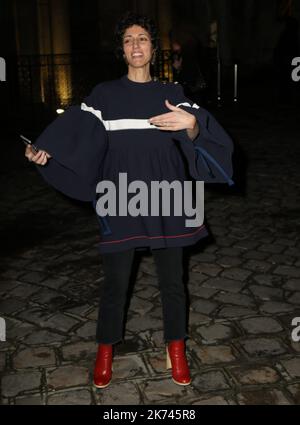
128 20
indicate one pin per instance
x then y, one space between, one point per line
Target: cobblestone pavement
243 284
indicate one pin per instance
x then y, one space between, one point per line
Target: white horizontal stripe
126 124
189 105
123 124
93 111
184 104
129 124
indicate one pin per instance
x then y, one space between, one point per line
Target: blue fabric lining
102 221
207 157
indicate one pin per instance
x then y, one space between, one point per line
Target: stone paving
243 284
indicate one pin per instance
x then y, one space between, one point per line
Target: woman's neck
139 75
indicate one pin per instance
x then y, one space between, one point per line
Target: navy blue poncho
109 133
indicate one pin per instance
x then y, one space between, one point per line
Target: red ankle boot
176 360
103 366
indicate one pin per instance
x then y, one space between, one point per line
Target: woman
132 126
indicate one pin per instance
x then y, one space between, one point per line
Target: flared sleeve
210 154
77 142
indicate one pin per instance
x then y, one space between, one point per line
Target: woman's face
176 47
137 46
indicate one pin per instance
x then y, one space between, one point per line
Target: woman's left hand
176 120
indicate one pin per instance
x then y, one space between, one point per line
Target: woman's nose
136 42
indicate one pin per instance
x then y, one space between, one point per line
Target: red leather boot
176 360
103 366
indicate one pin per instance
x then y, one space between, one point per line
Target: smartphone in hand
28 142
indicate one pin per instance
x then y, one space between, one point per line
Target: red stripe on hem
154 237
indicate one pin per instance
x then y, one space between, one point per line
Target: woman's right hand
39 158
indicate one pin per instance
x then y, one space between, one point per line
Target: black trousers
117 269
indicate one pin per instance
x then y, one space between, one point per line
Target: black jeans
117 268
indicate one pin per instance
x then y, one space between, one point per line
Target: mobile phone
28 142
